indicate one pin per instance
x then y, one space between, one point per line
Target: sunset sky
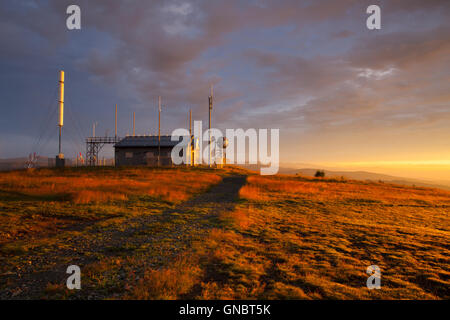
341 95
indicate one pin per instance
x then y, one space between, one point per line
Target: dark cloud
342 34
309 66
414 48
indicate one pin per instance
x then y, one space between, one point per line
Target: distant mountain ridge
356 175
19 163
365 175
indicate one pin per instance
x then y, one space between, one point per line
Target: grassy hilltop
171 233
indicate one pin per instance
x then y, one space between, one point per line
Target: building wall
142 156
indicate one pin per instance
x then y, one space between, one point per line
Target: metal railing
103 140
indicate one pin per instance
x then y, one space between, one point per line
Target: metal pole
60 129
210 111
159 129
190 138
134 121
115 131
61 108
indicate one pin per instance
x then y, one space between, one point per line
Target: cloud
401 49
309 66
342 34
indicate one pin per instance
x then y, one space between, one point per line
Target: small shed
144 151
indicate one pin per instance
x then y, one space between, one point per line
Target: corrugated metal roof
146 141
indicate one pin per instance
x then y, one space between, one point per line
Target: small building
144 151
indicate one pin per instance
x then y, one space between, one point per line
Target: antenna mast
93 128
159 129
60 156
61 107
190 137
210 102
115 124
134 122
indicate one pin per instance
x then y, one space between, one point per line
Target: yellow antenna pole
61 107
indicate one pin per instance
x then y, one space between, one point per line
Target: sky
342 95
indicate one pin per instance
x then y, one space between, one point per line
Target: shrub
319 174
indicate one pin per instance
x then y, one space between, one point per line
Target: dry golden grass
264 188
83 186
87 196
301 238
168 283
36 202
289 237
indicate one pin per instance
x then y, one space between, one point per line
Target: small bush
319 174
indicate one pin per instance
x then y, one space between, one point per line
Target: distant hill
364 175
43 162
20 163
356 175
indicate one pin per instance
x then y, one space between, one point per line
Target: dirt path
168 234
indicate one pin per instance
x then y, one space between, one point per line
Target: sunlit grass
288 237
35 202
306 238
83 186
